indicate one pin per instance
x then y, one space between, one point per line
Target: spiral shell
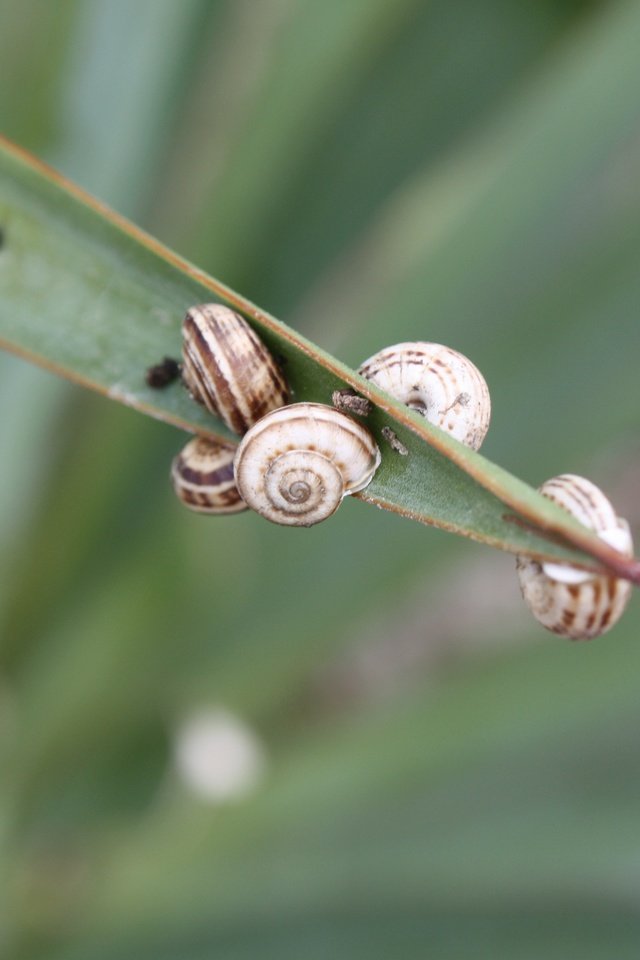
295 466
438 382
566 600
202 477
227 368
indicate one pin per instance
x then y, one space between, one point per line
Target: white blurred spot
217 756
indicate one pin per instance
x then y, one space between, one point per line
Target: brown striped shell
227 368
202 477
297 464
438 382
571 602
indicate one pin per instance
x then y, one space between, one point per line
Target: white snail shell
227 368
438 382
202 477
566 600
296 465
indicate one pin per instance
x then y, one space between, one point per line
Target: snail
227 368
202 477
438 382
296 465
571 602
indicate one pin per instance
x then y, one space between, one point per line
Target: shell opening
418 404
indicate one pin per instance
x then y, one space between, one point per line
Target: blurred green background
219 738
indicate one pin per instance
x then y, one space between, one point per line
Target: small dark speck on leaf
161 374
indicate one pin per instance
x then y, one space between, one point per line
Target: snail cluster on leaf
296 462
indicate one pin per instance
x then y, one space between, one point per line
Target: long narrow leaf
88 295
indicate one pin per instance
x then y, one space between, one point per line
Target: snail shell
438 382
227 368
571 602
295 466
202 477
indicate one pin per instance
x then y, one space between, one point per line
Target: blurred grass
460 171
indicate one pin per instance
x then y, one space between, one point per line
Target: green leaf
88 295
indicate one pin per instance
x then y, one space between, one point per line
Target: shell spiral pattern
202 477
296 465
438 382
571 602
227 368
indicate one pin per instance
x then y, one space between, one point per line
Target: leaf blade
96 299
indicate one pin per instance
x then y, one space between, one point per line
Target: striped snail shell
438 382
566 600
202 477
297 464
227 368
